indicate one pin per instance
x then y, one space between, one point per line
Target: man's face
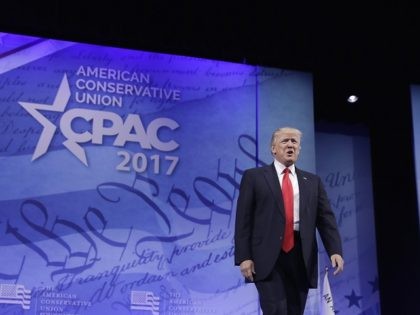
286 147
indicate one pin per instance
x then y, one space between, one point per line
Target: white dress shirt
293 178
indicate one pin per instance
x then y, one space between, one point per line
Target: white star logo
59 105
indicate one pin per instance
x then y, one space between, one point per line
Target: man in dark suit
279 209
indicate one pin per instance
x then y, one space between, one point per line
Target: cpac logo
146 138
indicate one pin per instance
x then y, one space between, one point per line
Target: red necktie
287 191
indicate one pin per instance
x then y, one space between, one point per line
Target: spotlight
352 99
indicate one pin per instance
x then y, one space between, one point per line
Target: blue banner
415 106
343 163
120 173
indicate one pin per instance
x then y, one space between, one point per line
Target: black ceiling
348 47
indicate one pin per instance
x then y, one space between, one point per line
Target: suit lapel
270 175
274 184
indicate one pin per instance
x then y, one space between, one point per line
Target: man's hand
247 269
337 262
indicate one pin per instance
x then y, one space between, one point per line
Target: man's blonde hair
278 131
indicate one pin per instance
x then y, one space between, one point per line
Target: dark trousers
285 290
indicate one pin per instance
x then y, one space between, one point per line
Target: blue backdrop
343 163
415 105
120 173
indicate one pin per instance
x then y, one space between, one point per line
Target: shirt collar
280 168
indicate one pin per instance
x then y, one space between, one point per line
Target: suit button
281 237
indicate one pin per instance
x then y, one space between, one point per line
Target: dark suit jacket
259 226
